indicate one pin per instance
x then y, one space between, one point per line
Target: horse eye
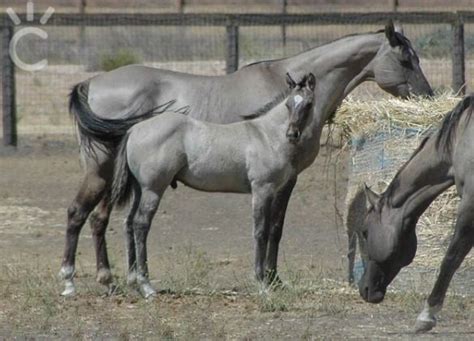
365 234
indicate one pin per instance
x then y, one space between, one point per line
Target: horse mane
388 193
444 136
269 106
447 131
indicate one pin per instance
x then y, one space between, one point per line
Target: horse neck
423 178
273 124
339 66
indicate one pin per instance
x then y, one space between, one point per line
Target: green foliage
111 61
439 43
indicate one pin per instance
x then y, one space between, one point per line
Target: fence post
459 78
82 28
284 5
8 89
232 58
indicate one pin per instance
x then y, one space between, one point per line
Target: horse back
136 90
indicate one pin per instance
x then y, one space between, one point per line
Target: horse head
299 104
396 68
391 245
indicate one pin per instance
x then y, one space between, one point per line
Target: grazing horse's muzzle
293 134
371 285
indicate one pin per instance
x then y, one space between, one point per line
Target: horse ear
372 197
311 81
391 34
291 83
398 28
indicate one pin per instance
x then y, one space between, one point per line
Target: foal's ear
290 81
391 34
372 197
311 81
398 28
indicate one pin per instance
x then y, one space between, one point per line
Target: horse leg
351 252
89 195
277 216
98 221
459 247
130 241
147 207
261 204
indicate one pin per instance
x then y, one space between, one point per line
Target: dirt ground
200 251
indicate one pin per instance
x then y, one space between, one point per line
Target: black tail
124 183
92 128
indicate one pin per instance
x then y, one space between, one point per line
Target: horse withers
443 159
262 156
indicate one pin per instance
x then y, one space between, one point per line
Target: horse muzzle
293 135
371 286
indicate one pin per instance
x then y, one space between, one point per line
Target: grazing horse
262 156
443 159
105 106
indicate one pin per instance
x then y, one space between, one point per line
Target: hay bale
382 135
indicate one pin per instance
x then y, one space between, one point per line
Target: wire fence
87 45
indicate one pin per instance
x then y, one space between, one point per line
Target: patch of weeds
35 293
109 62
189 271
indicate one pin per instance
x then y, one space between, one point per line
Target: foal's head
300 104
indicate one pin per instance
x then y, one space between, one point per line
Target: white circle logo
28 31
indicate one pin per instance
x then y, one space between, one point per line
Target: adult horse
443 159
105 106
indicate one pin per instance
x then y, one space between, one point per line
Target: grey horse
105 106
262 156
443 159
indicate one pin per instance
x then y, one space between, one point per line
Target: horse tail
124 183
92 128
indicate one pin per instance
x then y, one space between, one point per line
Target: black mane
447 131
444 138
269 106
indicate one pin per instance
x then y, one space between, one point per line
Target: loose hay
382 135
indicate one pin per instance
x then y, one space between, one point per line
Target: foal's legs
147 207
130 240
277 216
262 199
459 247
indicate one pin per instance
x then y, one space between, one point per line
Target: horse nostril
293 135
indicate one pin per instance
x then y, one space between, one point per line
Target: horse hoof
148 291
104 276
113 289
70 289
132 279
277 284
422 326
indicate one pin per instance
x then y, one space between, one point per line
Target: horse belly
215 177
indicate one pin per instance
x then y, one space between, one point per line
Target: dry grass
365 117
192 308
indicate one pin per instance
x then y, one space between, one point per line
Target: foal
259 156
